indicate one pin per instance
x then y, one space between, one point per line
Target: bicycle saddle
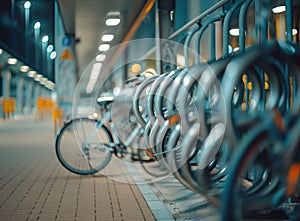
105 98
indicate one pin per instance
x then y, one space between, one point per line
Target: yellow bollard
57 118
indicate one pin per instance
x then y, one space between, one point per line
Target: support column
164 28
19 94
28 95
6 78
36 93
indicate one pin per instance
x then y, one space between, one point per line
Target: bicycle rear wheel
81 146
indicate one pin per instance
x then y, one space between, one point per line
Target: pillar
164 28
6 78
28 95
19 94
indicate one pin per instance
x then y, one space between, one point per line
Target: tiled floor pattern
34 186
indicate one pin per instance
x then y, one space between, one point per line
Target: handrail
199 17
189 24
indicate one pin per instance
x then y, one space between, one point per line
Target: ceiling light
279 9
50 48
90 87
37 25
27 4
101 57
49 84
94 75
294 31
31 74
12 61
108 37
113 19
234 32
149 72
24 68
97 66
43 81
180 59
1 51
38 77
45 38
53 55
136 68
104 47
236 49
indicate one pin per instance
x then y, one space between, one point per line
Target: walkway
34 186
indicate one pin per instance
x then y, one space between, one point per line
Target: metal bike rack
194 117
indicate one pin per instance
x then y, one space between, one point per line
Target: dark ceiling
85 19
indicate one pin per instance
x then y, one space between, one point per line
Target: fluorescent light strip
104 47
107 37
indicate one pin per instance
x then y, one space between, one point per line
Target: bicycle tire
237 203
69 141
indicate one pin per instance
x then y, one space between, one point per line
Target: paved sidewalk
34 186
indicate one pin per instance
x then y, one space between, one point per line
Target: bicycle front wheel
82 146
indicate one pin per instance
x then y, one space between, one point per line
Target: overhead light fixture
38 77
101 57
37 25
31 74
27 4
12 60
180 59
45 38
97 66
294 31
135 68
234 32
104 47
24 68
50 48
236 49
49 84
107 37
53 55
112 21
113 18
279 9
94 75
43 81
150 72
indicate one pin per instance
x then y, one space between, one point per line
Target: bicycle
85 145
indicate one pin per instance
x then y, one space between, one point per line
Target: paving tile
34 185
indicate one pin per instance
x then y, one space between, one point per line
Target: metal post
165 24
226 25
289 20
